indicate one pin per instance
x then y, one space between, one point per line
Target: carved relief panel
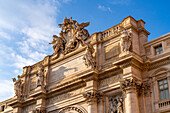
114 104
110 80
28 108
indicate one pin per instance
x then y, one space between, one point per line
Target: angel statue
67 24
80 33
59 44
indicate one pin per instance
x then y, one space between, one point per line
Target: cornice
156 62
65 85
158 39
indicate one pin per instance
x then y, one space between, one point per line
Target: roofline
156 39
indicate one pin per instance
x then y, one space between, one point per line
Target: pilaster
91 93
130 89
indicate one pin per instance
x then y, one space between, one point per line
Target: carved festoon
116 104
18 86
126 40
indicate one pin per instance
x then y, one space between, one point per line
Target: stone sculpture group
71 36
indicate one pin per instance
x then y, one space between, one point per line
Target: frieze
64 96
110 80
159 63
28 108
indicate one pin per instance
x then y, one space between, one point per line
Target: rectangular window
158 49
163 89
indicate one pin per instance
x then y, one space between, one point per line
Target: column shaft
131 102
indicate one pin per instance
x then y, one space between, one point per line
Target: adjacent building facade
114 71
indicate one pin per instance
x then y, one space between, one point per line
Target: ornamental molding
159 63
77 109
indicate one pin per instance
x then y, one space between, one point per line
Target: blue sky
27 26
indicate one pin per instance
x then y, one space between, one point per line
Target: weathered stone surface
113 71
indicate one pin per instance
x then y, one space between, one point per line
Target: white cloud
5 35
32 23
28 27
7 89
20 61
103 8
16 71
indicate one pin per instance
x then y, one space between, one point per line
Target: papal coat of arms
71 36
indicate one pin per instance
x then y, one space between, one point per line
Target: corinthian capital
92 96
130 84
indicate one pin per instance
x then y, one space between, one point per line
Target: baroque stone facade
114 71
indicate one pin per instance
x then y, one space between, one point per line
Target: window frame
165 97
157 47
